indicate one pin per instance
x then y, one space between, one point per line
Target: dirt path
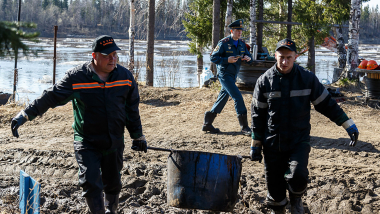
342 179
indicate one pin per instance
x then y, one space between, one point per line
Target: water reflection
173 64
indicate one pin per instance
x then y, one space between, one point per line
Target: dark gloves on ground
256 154
352 131
139 144
17 121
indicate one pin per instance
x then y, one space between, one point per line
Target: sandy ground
342 179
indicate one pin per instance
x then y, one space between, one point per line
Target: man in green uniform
228 55
105 101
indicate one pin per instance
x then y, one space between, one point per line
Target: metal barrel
201 180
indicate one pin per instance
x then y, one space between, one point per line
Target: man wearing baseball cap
105 101
281 125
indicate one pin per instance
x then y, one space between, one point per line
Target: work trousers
286 170
228 89
99 169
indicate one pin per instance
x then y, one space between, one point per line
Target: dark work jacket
281 107
225 49
101 109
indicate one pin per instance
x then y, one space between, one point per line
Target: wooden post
228 18
311 55
252 24
55 52
260 27
353 39
15 72
131 64
289 27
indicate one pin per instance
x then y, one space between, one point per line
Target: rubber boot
111 203
296 204
244 124
95 204
277 210
207 125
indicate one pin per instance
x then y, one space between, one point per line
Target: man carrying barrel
105 101
281 126
228 56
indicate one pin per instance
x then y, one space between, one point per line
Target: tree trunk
215 29
150 44
289 27
260 28
199 64
252 25
131 64
340 47
311 55
228 18
353 40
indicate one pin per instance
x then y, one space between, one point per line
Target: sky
372 3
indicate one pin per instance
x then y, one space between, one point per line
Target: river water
174 66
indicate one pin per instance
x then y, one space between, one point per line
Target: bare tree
228 18
150 44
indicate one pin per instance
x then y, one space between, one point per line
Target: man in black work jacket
105 100
281 125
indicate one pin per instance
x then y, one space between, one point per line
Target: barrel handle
160 149
172 150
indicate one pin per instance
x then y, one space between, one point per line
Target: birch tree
252 25
228 18
353 39
131 64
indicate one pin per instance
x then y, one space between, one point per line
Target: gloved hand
256 154
352 131
139 144
17 121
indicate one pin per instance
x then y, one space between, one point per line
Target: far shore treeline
88 18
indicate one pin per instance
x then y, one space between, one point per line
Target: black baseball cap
105 45
287 43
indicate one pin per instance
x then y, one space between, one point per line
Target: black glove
17 121
139 144
352 131
256 154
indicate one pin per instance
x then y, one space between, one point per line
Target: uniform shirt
102 110
225 49
281 107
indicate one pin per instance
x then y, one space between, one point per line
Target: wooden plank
367 71
292 23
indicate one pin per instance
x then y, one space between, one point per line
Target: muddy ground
342 179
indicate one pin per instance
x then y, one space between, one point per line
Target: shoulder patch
242 40
216 48
225 40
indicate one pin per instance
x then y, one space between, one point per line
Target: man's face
236 34
105 63
285 59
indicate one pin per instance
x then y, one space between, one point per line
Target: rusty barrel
202 180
